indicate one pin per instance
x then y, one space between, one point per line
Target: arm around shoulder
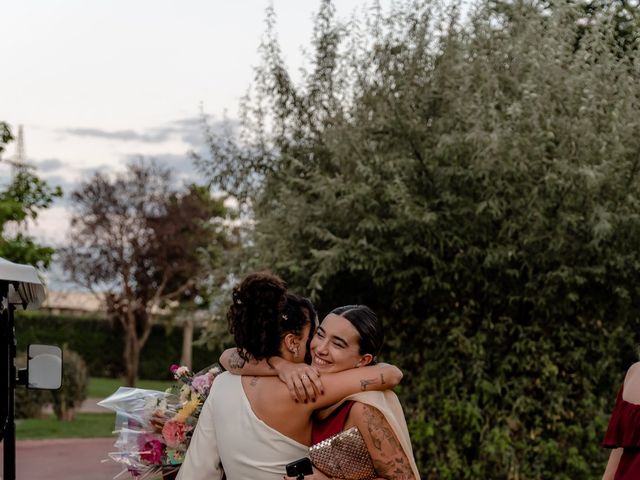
342 384
393 373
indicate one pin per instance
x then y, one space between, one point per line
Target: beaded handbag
344 455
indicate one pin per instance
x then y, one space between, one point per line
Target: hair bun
255 314
261 290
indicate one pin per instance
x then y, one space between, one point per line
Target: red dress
624 431
332 425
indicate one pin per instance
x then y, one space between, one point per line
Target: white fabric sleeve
202 461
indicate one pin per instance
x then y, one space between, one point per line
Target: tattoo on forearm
236 361
389 459
374 381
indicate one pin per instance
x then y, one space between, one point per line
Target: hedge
100 343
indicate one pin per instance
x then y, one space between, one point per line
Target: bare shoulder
633 369
270 390
631 390
368 418
359 410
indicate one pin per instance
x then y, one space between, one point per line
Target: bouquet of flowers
154 428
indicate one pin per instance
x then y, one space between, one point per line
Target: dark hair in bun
263 312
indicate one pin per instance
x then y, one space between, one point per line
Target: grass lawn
86 425
103 387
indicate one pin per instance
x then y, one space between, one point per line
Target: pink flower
202 383
175 433
152 450
173 368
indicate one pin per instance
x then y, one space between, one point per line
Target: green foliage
75 380
23 198
99 343
147 244
477 184
5 136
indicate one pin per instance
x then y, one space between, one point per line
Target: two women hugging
292 384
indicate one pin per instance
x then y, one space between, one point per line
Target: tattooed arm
347 382
233 362
389 459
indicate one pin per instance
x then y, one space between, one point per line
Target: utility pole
19 162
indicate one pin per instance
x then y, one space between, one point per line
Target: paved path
65 459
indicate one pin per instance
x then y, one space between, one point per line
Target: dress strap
624 424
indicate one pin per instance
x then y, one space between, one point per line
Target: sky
97 83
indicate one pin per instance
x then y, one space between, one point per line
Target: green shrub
75 380
100 343
29 403
476 182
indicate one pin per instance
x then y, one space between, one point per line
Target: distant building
75 303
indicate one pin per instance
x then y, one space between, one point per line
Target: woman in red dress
623 433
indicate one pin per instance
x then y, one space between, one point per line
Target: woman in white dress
249 427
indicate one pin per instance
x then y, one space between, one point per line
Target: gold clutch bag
344 455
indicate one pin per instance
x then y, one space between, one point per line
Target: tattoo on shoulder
254 381
374 381
236 361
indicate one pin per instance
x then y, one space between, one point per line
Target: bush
478 184
29 403
100 343
75 380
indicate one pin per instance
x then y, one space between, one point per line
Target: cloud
153 136
193 129
190 130
48 165
180 164
91 171
67 186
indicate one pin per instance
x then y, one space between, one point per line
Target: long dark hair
367 324
263 312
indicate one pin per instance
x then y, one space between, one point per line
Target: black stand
8 378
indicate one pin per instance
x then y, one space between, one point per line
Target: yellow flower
186 411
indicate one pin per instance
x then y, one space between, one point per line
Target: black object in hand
300 468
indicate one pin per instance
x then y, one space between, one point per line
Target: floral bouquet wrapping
154 428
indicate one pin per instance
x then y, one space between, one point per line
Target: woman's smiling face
336 345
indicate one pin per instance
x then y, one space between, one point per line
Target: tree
23 198
146 244
477 184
